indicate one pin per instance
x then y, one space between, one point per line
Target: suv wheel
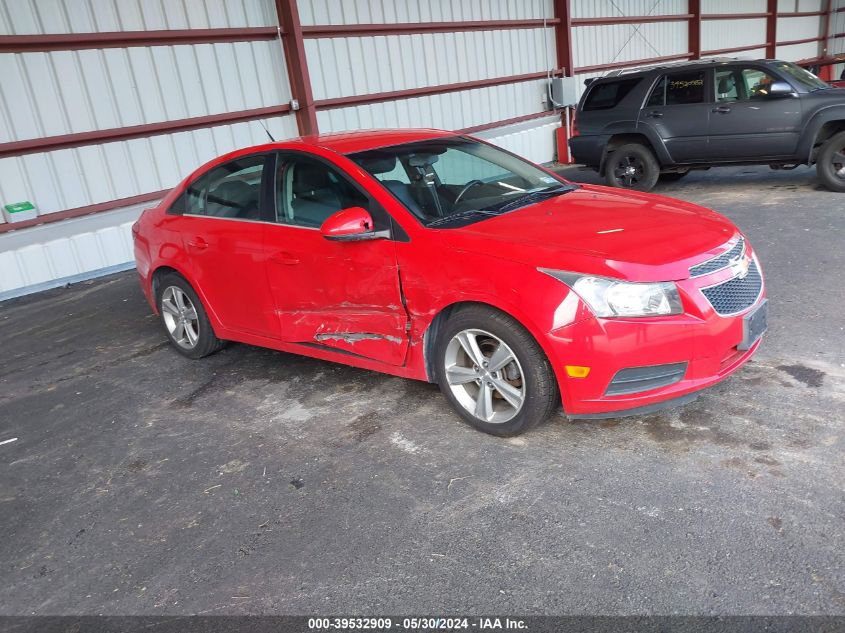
494 373
632 166
830 163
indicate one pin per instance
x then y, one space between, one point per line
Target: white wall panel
389 12
798 28
342 66
65 92
797 52
593 45
605 8
49 263
734 6
71 178
450 111
716 34
786 6
26 17
535 140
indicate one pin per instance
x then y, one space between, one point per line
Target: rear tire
830 163
184 318
504 385
632 166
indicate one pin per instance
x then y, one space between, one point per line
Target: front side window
308 192
739 84
685 88
455 181
802 77
232 190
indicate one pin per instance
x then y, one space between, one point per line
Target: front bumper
705 341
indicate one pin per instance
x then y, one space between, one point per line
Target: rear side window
685 88
607 95
232 190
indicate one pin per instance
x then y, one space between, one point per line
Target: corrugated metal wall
45 94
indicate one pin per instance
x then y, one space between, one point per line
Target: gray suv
635 127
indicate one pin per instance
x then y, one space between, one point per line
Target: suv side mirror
351 225
780 89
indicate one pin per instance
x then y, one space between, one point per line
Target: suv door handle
721 109
656 114
285 259
198 243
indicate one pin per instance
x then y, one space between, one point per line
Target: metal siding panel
455 110
716 34
734 6
592 45
100 173
313 12
604 9
338 66
66 92
797 52
86 16
799 28
535 141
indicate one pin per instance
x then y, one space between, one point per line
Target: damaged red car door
339 294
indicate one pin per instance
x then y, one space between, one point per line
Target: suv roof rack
639 69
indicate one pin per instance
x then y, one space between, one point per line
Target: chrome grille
737 294
720 261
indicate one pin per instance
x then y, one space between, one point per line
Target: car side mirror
780 89
354 224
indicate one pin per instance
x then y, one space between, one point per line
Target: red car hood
599 230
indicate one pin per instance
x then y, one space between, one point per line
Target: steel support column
694 28
772 29
297 65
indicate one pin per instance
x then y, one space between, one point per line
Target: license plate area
754 325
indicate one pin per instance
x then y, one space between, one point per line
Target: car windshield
804 77
455 181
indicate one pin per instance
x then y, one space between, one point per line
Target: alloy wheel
838 160
485 376
629 170
180 317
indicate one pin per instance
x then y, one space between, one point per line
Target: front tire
632 166
830 163
493 372
184 318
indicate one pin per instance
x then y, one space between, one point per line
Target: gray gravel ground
260 482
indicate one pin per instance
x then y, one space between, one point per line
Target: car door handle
655 115
285 259
198 243
722 109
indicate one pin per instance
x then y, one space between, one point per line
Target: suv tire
632 166
830 160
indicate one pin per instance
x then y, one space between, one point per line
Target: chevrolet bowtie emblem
739 267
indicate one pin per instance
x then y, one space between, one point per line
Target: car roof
363 140
683 65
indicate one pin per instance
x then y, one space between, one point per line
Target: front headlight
614 298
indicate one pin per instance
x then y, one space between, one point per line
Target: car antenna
268 131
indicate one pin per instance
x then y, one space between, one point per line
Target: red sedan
434 256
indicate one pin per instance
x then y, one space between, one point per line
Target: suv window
232 190
607 95
738 84
658 94
308 192
685 88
